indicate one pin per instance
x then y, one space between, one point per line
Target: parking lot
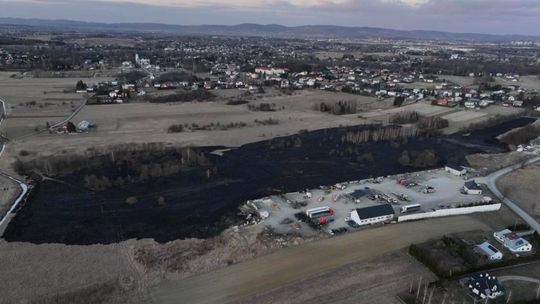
432 190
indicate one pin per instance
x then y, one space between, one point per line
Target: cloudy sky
482 16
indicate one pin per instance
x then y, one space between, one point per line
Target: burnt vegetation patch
156 191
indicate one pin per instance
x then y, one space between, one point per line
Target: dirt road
262 274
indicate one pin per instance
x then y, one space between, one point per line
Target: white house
512 241
471 187
490 251
269 71
372 215
455 170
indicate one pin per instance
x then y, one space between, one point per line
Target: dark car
353 224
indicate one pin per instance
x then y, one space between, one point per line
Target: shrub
267 122
175 128
186 96
237 102
339 108
405 117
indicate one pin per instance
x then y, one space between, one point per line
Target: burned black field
201 200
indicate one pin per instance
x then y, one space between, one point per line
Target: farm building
373 214
512 241
472 187
455 170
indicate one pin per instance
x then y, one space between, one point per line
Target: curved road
518 278
491 182
24 187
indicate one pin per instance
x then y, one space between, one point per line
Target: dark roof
454 166
472 185
375 211
485 283
358 193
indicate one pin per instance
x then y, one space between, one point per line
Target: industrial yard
414 193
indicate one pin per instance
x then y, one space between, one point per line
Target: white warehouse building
372 215
455 170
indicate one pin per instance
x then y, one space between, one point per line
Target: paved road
24 187
491 182
518 278
286 266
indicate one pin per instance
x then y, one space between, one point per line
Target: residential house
512 241
490 251
483 286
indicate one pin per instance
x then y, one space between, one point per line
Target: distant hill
246 29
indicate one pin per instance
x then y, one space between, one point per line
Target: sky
471 16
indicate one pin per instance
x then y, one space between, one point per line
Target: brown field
294 264
31 102
353 268
521 188
488 163
144 122
531 82
377 280
55 273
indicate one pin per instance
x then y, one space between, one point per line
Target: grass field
297 263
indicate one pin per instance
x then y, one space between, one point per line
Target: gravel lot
447 193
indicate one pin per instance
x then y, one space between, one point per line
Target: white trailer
410 208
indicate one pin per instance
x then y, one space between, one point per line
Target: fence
449 212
